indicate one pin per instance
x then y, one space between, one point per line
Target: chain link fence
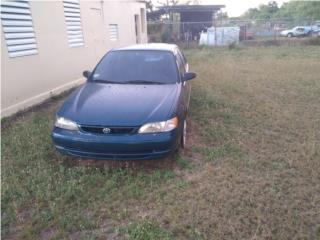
224 31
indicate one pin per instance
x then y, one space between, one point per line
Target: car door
300 31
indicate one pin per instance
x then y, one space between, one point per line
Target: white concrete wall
28 80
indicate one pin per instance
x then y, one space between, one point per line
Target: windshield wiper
107 81
127 82
143 82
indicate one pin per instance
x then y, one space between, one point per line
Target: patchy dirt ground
251 169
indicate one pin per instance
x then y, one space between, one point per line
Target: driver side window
181 64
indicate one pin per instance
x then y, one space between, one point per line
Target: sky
235 8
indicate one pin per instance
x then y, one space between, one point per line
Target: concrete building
45 45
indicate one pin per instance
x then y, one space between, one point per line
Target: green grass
146 231
250 171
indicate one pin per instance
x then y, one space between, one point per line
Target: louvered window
113 32
73 22
17 26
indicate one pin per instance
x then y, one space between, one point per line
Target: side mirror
86 74
189 75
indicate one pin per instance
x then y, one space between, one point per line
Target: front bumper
113 146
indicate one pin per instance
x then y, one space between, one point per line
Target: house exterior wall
28 80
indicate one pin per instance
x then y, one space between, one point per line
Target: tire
184 134
289 35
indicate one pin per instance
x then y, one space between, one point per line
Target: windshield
137 66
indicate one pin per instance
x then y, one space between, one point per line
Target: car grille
113 130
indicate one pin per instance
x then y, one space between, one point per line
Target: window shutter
73 23
113 32
18 29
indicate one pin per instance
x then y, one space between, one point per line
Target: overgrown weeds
251 168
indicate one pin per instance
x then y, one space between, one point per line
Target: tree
300 9
194 2
149 6
222 15
293 9
273 7
168 2
264 11
251 13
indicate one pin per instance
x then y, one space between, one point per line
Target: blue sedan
133 106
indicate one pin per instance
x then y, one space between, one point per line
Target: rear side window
183 57
181 63
137 65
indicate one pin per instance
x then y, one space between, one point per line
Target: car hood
120 104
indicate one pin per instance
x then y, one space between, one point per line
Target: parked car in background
133 106
300 31
245 34
316 28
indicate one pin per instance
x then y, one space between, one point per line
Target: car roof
149 46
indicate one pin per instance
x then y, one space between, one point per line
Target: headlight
65 124
155 127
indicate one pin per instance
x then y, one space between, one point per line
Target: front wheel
290 35
184 134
